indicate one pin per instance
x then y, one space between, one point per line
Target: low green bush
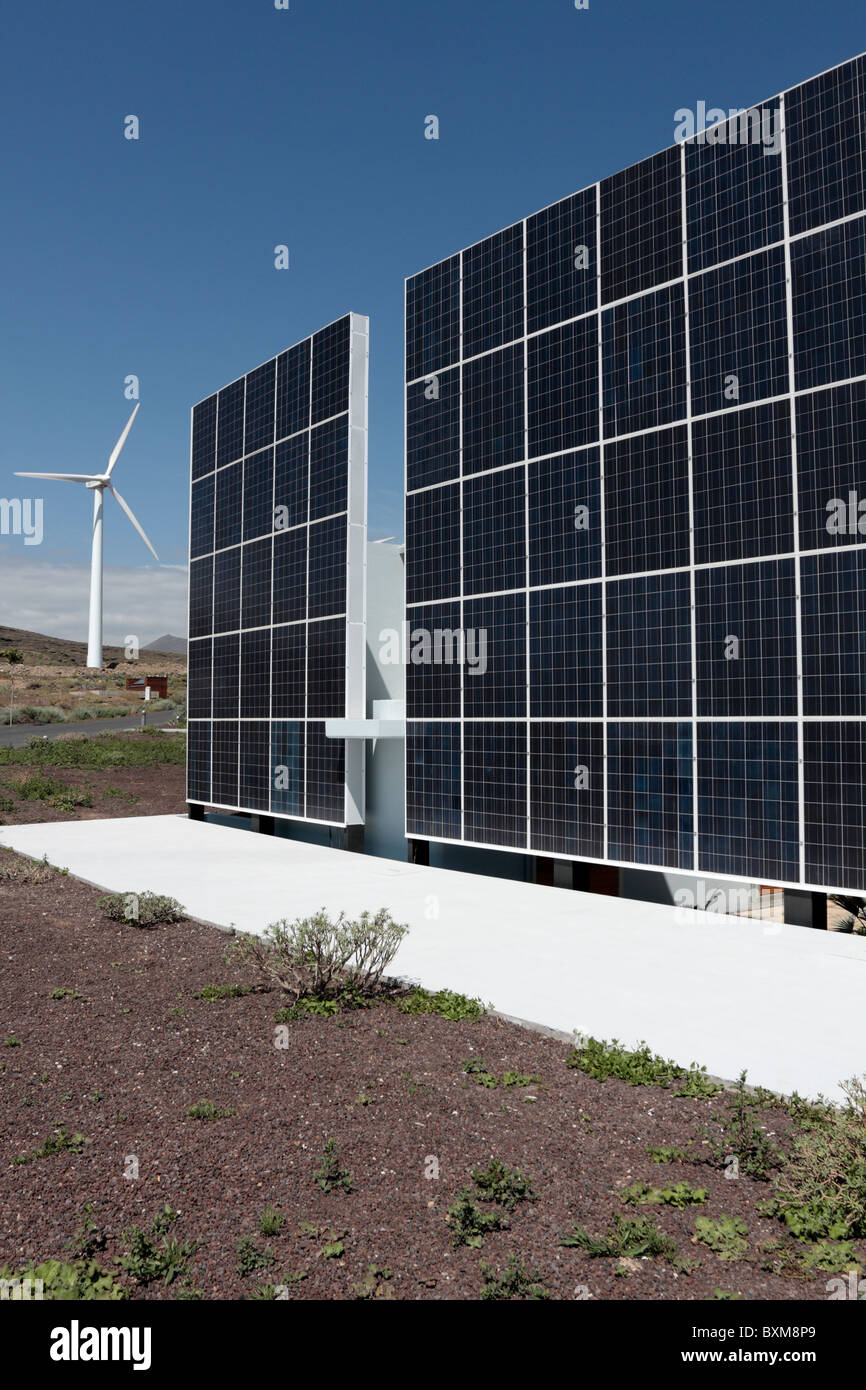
142 909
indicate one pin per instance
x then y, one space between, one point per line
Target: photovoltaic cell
636 426
278 532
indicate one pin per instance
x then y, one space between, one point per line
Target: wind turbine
98 482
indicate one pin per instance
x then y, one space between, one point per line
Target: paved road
17 735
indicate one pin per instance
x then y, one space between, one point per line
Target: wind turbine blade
115 453
63 477
118 498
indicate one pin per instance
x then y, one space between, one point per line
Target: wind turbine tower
98 482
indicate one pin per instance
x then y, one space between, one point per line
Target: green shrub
317 957
141 909
820 1193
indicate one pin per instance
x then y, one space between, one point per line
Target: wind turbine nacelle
97 483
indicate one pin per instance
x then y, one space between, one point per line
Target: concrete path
18 735
786 1003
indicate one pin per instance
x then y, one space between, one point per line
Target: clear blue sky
303 127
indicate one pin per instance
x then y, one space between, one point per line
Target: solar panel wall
277 583
636 500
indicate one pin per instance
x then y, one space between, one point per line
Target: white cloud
41 596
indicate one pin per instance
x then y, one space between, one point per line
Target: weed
11 1041
88 1239
638 1066
516 1282
66 994
153 1255
104 751
469 1224
80 1281
476 1066
214 992
374 1283
59 1142
744 1138
727 1236
504 1186
667 1154
329 1176
627 1237
271 1221
208 1110
682 1195
444 1002
251 1258
723 1296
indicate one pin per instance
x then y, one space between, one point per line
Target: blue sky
303 127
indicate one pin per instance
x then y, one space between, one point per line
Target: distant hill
40 650
174 646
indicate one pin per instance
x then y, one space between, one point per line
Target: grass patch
105 750
208 1110
444 1002
627 1238
213 993
59 1142
639 1194
639 1067
271 1222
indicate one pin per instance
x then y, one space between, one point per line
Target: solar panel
636 500
277 583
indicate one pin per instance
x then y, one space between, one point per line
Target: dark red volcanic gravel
122 1065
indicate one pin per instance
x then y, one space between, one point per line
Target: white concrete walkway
784 1002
